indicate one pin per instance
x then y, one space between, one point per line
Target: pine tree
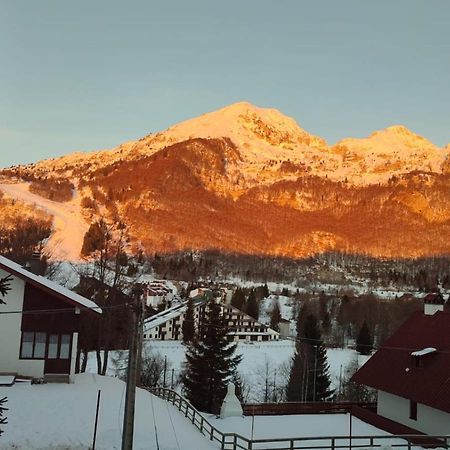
319 376
364 341
188 327
275 316
210 364
252 305
296 387
238 299
309 379
2 410
4 287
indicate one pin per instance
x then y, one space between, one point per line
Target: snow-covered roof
48 285
424 351
168 314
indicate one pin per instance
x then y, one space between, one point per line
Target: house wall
429 420
10 334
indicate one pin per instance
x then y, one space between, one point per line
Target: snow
260 359
425 351
6 379
69 226
22 273
296 426
61 416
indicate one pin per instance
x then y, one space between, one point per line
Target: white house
158 292
39 325
411 372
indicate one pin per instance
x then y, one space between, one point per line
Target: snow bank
61 416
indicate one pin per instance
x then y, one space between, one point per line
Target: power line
63 310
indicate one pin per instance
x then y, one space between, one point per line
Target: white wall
429 420
10 334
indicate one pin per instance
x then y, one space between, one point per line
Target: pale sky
90 74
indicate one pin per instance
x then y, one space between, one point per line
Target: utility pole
315 370
135 348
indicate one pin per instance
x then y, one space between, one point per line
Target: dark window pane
39 345
27 344
52 346
64 351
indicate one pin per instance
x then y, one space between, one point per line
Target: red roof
393 369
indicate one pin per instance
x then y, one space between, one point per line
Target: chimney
433 303
37 265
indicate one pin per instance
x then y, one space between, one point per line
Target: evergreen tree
364 341
238 299
188 327
310 368
296 387
4 287
275 316
2 410
252 305
210 363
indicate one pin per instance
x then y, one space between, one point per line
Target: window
64 350
27 345
412 410
53 346
36 345
33 345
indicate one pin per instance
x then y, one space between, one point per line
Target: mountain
251 180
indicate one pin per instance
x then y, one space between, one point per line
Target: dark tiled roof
392 368
434 298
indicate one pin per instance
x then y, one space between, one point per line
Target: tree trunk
105 362
99 361
77 361
85 361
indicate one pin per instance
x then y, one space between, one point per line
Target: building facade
167 325
411 372
39 325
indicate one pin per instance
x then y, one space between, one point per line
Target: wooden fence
234 441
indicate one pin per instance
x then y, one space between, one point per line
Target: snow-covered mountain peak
247 126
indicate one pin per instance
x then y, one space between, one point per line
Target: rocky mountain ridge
250 180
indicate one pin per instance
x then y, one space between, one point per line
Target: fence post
292 444
193 417
201 424
234 441
211 434
333 443
222 445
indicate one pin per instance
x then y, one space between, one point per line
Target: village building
167 325
158 293
411 371
39 325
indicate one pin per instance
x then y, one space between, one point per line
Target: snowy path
61 416
69 226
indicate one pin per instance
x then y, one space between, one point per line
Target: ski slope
69 227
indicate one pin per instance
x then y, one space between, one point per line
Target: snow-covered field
61 416
260 360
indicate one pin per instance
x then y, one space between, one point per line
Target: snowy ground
61 416
295 426
271 359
